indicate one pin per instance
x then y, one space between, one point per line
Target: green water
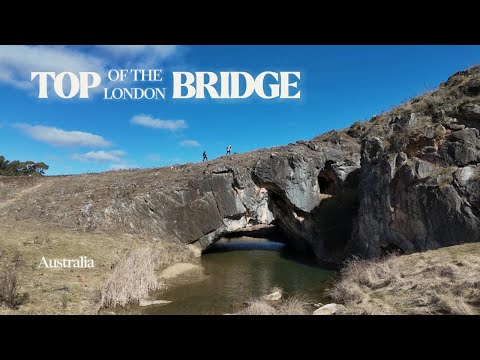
238 272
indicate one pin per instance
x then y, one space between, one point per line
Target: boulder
331 309
462 147
275 296
470 112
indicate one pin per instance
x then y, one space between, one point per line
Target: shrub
293 305
132 279
360 274
10 273
258 307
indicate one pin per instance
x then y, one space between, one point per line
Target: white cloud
190 143
63 138
158 51
18 61
121 166
148 121
100 156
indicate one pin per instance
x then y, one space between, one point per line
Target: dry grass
132 280
11 281
294 305
258 307
72 291
136 275
444 281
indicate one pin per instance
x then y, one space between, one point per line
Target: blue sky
339 85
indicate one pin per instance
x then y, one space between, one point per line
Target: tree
18 168
41 167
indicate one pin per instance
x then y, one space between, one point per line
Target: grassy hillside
443 281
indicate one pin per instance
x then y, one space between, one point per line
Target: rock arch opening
337 210
328 182
257 237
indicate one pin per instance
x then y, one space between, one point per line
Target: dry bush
132 279
10 278
452 305
373 274
445 270
258 307
293 306
135 277
471 290
443 281
346 292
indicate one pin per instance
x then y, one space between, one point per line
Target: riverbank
443 281
236 272
77 290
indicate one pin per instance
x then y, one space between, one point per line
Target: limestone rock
462 147
153 302
456 126
471 112
330 309
275 296
423 168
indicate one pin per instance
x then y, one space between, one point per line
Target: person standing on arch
229 149
204 156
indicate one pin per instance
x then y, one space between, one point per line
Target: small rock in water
277 295
154 302
330 309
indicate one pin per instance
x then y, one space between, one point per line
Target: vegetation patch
443 281
10 281
19 168
293 305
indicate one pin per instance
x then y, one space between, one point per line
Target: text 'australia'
82 262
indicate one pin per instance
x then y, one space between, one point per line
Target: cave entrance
327 180
260 232
257 237
338 209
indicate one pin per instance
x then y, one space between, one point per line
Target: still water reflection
240 271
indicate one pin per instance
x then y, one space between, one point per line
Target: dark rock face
414 206
462 147
406 180
420 180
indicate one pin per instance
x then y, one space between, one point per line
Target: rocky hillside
405 180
